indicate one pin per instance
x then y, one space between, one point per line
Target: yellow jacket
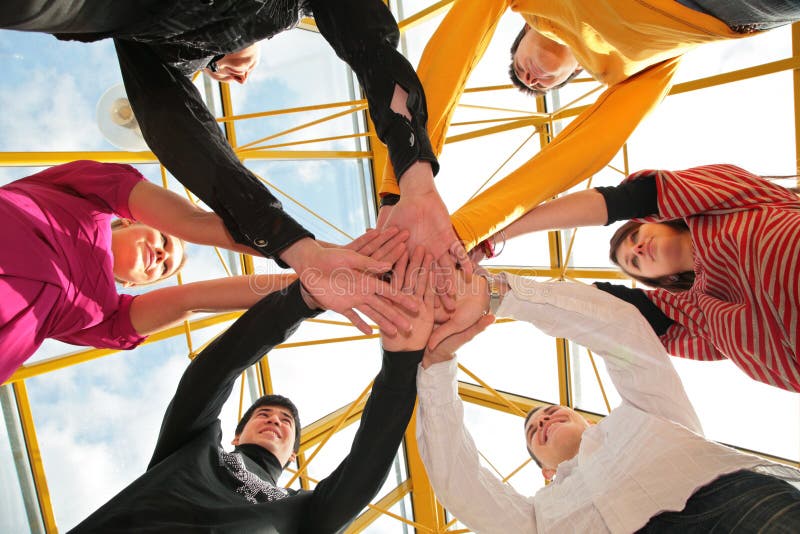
634 46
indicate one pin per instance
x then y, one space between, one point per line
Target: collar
263 458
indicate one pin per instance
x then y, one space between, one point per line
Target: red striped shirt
745 301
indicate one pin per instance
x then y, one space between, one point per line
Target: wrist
299 254
310 301
417 180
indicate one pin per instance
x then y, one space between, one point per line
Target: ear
548 473
235 441
128 284
292 458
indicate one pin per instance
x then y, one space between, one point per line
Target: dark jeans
742 502
745 16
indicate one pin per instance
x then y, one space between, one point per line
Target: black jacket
170 39
193 485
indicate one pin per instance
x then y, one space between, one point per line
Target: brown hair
672 282
513 74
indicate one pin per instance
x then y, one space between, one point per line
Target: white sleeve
468 490
614 329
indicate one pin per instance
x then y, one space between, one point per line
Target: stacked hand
345 279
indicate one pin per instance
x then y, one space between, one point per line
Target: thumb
441 333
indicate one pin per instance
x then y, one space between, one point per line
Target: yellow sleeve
447 61
582 149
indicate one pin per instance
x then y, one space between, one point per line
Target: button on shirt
648 456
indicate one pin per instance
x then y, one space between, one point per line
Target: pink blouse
56 277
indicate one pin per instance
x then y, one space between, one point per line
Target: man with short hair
645 466
193 485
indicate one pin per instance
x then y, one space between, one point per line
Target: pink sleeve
106 185
713 188
116 332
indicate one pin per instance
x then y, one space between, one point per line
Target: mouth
275 434
651 250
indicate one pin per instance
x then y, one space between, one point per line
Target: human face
541 63
554 435
655 250
143 255
236 67
272 428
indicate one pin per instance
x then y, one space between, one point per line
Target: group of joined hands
415 300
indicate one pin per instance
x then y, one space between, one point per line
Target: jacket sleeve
186 138
344 493
468 490
631 199
715 189
365 35
658 320
446 64
208 380
582 149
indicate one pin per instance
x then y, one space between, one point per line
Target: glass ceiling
75 434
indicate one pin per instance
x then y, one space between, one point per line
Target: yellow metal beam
42 159
379 508
35 457
315 432
427 510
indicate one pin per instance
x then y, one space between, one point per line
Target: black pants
743 502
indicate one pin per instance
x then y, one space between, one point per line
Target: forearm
186 138
342 495
177 216
470 492
584 208
169 306
583 148
370 49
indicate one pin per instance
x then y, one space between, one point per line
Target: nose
638 248
161 254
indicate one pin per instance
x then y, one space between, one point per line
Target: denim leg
745 16
743 502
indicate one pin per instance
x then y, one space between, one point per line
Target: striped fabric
745 301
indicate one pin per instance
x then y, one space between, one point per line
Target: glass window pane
19 505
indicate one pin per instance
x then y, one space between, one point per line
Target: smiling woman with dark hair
720 244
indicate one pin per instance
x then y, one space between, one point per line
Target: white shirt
648 456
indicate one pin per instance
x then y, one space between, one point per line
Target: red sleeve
679 341
713 189
116 332
106 185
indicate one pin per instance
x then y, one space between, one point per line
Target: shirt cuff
437 384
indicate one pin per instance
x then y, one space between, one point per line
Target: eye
634 236
635 261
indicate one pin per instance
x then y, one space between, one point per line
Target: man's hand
422 212
385 245
446 350
344 281
413 277
472 301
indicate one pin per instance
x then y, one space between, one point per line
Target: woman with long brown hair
721 247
